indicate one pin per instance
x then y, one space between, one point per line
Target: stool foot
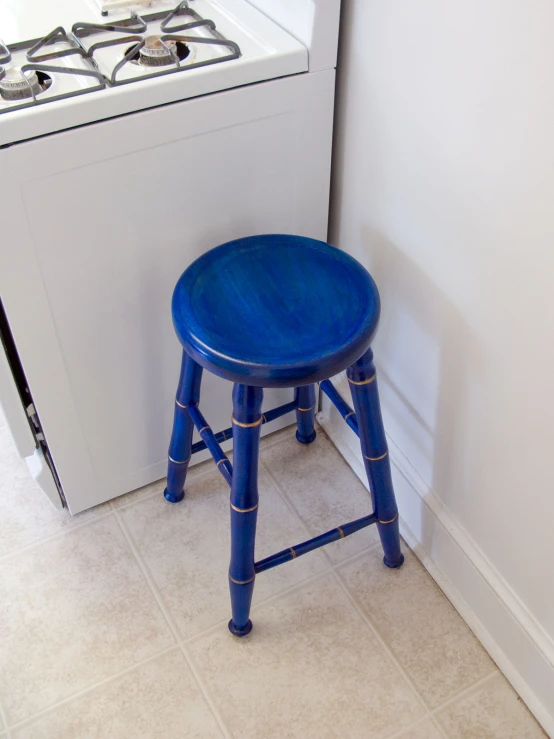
394 565
305 439
240 632
172 498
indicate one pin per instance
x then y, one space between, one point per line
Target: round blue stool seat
275 310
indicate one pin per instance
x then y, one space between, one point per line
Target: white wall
444 189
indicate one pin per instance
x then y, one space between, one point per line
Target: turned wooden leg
247 420
188 393
363 386
305 413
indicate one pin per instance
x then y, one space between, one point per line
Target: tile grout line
84 691
57 535
359 555
132 503
281 594
292 507
205 692
148 577
197 476
465 691
439 727
290 504
430 711
380 639
3 717
172 627
400 733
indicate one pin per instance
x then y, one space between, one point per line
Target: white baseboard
501 622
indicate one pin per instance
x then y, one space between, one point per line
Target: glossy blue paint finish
341 532
180 447
275 310
208 437
340 404
267 417
363 386
305 413
247 420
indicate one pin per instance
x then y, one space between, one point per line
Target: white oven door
102 221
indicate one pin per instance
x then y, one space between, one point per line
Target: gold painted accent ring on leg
176 461
376 459
247 425
242 582
362 382
243 510
391 521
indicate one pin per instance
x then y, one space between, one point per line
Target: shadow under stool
277 311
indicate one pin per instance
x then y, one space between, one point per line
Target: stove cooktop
92 55
91 68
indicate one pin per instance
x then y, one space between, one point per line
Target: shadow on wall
428 362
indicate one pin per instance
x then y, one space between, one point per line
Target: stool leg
247 420
305 413
363 386
188 393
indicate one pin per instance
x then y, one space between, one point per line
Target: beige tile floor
113 623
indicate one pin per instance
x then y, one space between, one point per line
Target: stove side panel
105 219
315 23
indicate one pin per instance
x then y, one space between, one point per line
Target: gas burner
154 45
52 68
160 52
91 57
19 83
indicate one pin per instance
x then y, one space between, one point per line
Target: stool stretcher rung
340 404
228 433
209 439
319 541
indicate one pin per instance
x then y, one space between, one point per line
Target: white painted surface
267 52
313 22
444 190
104 218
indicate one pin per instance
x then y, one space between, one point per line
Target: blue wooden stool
277 311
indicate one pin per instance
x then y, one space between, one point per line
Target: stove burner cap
18 85
155 54
158 53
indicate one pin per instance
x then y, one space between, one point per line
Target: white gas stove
172 50
134 136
